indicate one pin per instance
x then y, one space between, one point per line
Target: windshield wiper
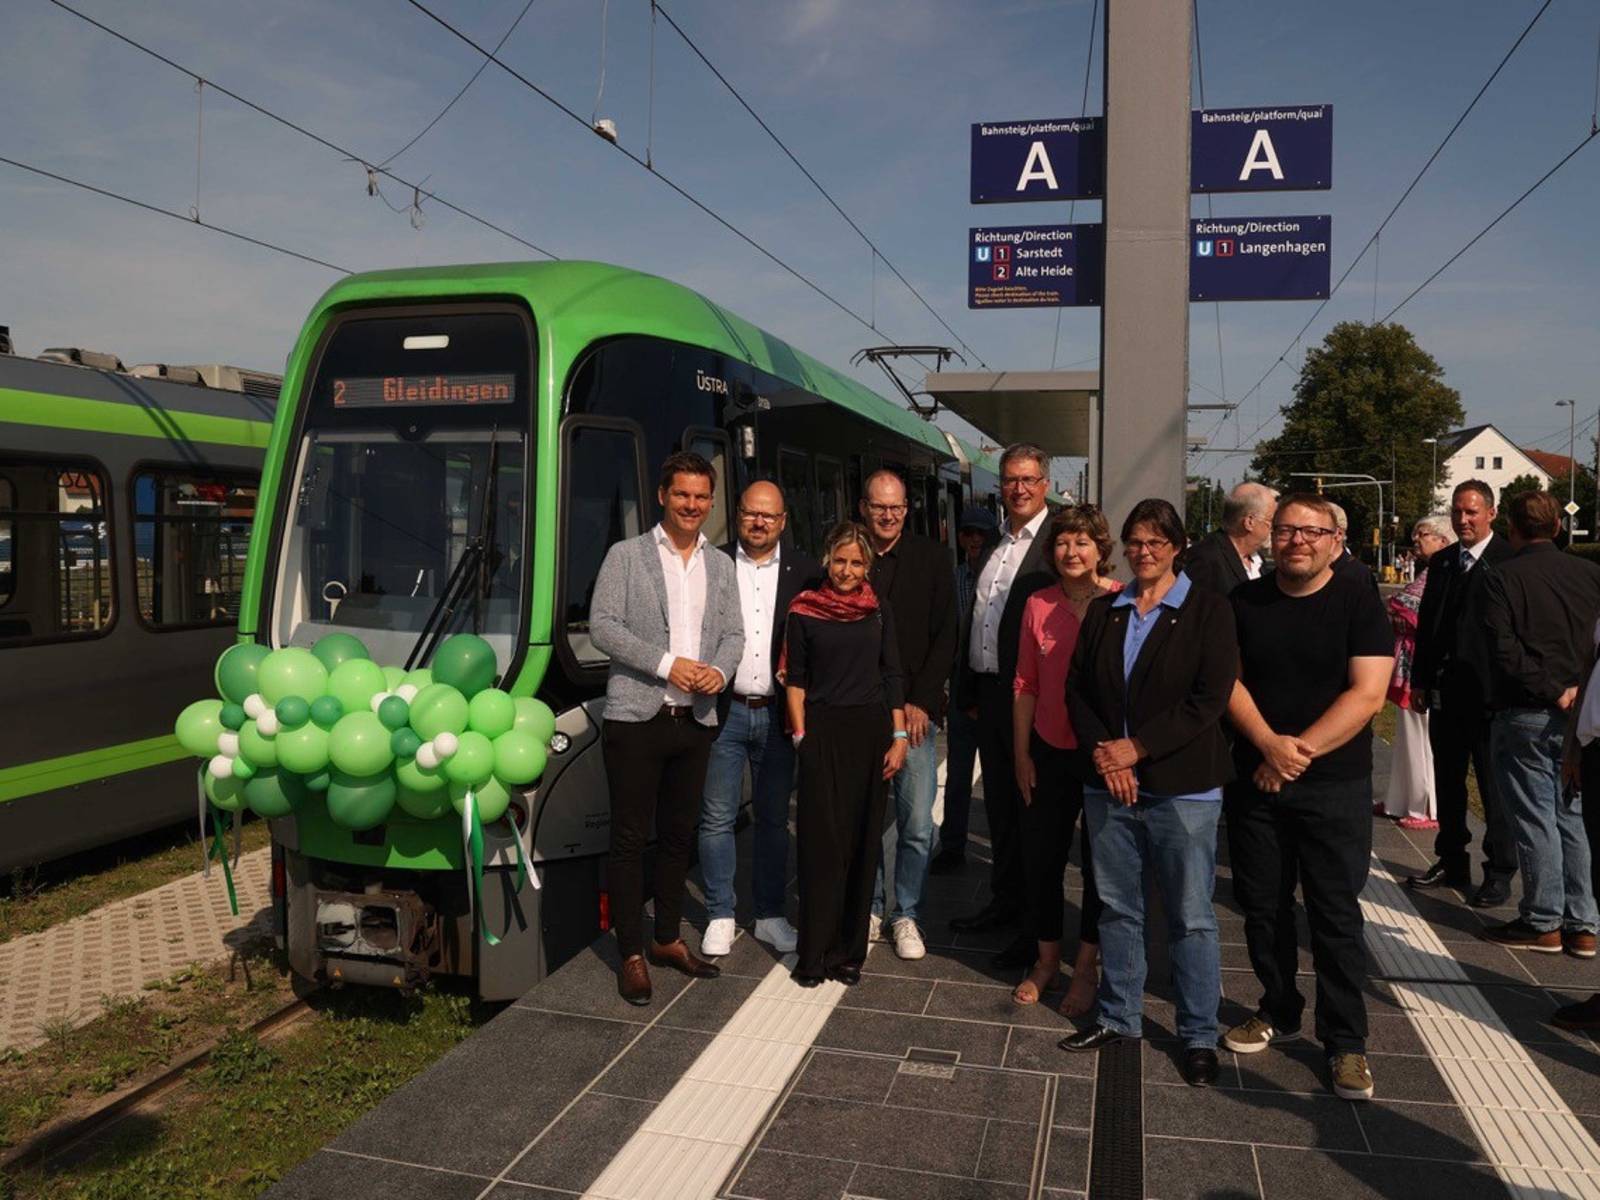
487 566
478 553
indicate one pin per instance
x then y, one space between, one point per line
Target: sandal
1080 998
1032 987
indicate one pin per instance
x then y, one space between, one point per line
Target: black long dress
851 673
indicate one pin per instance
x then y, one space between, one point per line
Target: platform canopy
1051 409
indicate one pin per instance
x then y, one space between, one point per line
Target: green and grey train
454 451
125 506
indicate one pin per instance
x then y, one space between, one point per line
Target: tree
1365 400
1558 489
1203 507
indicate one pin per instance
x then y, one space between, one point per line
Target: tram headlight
560 743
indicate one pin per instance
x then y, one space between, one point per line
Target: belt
753 701
677 711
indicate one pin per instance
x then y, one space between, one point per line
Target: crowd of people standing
1135 717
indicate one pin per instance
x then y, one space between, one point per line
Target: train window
190 533
852 486
794 475
830 493
712 445
605 503
55 551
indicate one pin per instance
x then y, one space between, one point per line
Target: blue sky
875 96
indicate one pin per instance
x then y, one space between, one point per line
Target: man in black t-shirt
1316 653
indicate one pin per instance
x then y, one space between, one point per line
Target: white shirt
994 585
1471 554
1252 566
758 601
686 606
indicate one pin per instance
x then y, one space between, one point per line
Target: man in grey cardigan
666 612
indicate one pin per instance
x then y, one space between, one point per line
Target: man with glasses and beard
1316 653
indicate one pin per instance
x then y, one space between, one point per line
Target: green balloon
274 792
418 779
260 751
490 798
233 716
419 679
466 662
473 761
405 743
335 648
359 744
226 794
361 801
291 671
303 750
438 708
518 757
242 769
424 805
491 712
318 782
355 682
394 712
393 677
235 674
535 717
293 712
326 711
199 726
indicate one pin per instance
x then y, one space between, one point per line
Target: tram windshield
406 519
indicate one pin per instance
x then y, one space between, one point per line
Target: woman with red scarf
845 693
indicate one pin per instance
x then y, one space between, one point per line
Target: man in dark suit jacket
1445 683
751 730
1227 557
1016 567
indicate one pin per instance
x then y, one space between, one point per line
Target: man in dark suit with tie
1227 557
1446 685
1016 567
750 730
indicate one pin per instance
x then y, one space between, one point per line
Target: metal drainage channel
1116 1141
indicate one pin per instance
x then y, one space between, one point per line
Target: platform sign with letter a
1038 160
1261 149
1035 266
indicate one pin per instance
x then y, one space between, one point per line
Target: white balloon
379 699
407 692
227 744
267 724
445 745
221 767
426 758
254 705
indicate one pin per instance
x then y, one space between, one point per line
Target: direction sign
1038 160
1033 266
1261 149
1571 508
1259 258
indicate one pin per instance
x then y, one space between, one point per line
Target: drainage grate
1116 1145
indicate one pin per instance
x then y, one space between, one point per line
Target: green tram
126 498
454 451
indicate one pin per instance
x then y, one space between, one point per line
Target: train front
403 520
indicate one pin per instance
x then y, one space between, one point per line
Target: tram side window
830 494
190 533
55 551
603 507
794 474
715 451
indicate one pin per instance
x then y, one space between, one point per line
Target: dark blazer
1538 611
917 581
1214 564
797 571
1034 572
1174 701
1442 617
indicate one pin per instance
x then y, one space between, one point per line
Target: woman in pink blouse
1046 751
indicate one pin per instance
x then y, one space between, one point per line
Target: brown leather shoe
677 954
633 980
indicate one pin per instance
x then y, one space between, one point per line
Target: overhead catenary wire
176 216
826 195
264 111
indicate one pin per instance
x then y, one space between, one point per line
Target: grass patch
32 899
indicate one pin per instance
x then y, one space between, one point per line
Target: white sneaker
874 929
907 939
719 938
777 933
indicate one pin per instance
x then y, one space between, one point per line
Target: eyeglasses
886 510
1027 481
1153 546
760 518
1309 534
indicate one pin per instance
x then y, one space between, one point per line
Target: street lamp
1572 464
1433 491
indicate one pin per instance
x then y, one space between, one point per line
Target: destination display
1034 266
1259 258
390 391
1038 160
1261 149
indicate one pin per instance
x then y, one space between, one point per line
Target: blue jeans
756 736
908 843
1177 840
1552 849
961 755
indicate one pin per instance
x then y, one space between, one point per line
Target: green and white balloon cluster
293 722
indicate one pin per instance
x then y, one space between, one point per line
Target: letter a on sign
1038 167
1262 157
